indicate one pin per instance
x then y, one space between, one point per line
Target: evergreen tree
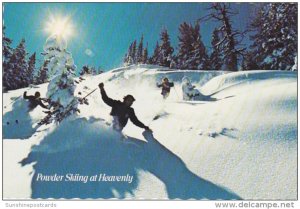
139 52
154 59
61 88
192 52
133 53
31 68
18 66
145 55
136 55
6 49
216 56
275 41
130 57
200 59
42 75
6 55
185 46
249 62
125 60
165 50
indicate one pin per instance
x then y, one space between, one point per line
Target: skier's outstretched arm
25 95
104 96
171 84
42 105
136 121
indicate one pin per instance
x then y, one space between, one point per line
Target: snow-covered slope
240 144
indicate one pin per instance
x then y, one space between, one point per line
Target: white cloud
89 52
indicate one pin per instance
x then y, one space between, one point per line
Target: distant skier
190 93
166 87
121 111
34 101
188 90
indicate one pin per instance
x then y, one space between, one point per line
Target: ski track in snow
243 145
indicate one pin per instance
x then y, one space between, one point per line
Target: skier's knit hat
37 94
165 79
129 96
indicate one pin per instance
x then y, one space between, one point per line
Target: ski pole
89 93
76 101
176 93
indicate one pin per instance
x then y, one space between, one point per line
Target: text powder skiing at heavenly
102 177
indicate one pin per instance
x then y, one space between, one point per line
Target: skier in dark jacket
166 87
121 111
34 101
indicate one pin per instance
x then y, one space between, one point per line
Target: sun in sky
59 25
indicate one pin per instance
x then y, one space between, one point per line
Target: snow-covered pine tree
6 49
275 41
165 49
229 45
18 66
192 52
154 58
130 56
174 62
61 88
248 62
125 60
185 46
200 59
145 55
42 75
139 52
126 57
133 52
31 68
7 52
216 56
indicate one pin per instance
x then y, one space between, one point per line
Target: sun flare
60 26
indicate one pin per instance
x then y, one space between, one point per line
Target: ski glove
148 129
101 85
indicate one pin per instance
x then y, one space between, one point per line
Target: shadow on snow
89 147
17 123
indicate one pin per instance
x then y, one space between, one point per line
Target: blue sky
103 31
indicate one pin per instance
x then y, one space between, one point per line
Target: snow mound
224 81
146 72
